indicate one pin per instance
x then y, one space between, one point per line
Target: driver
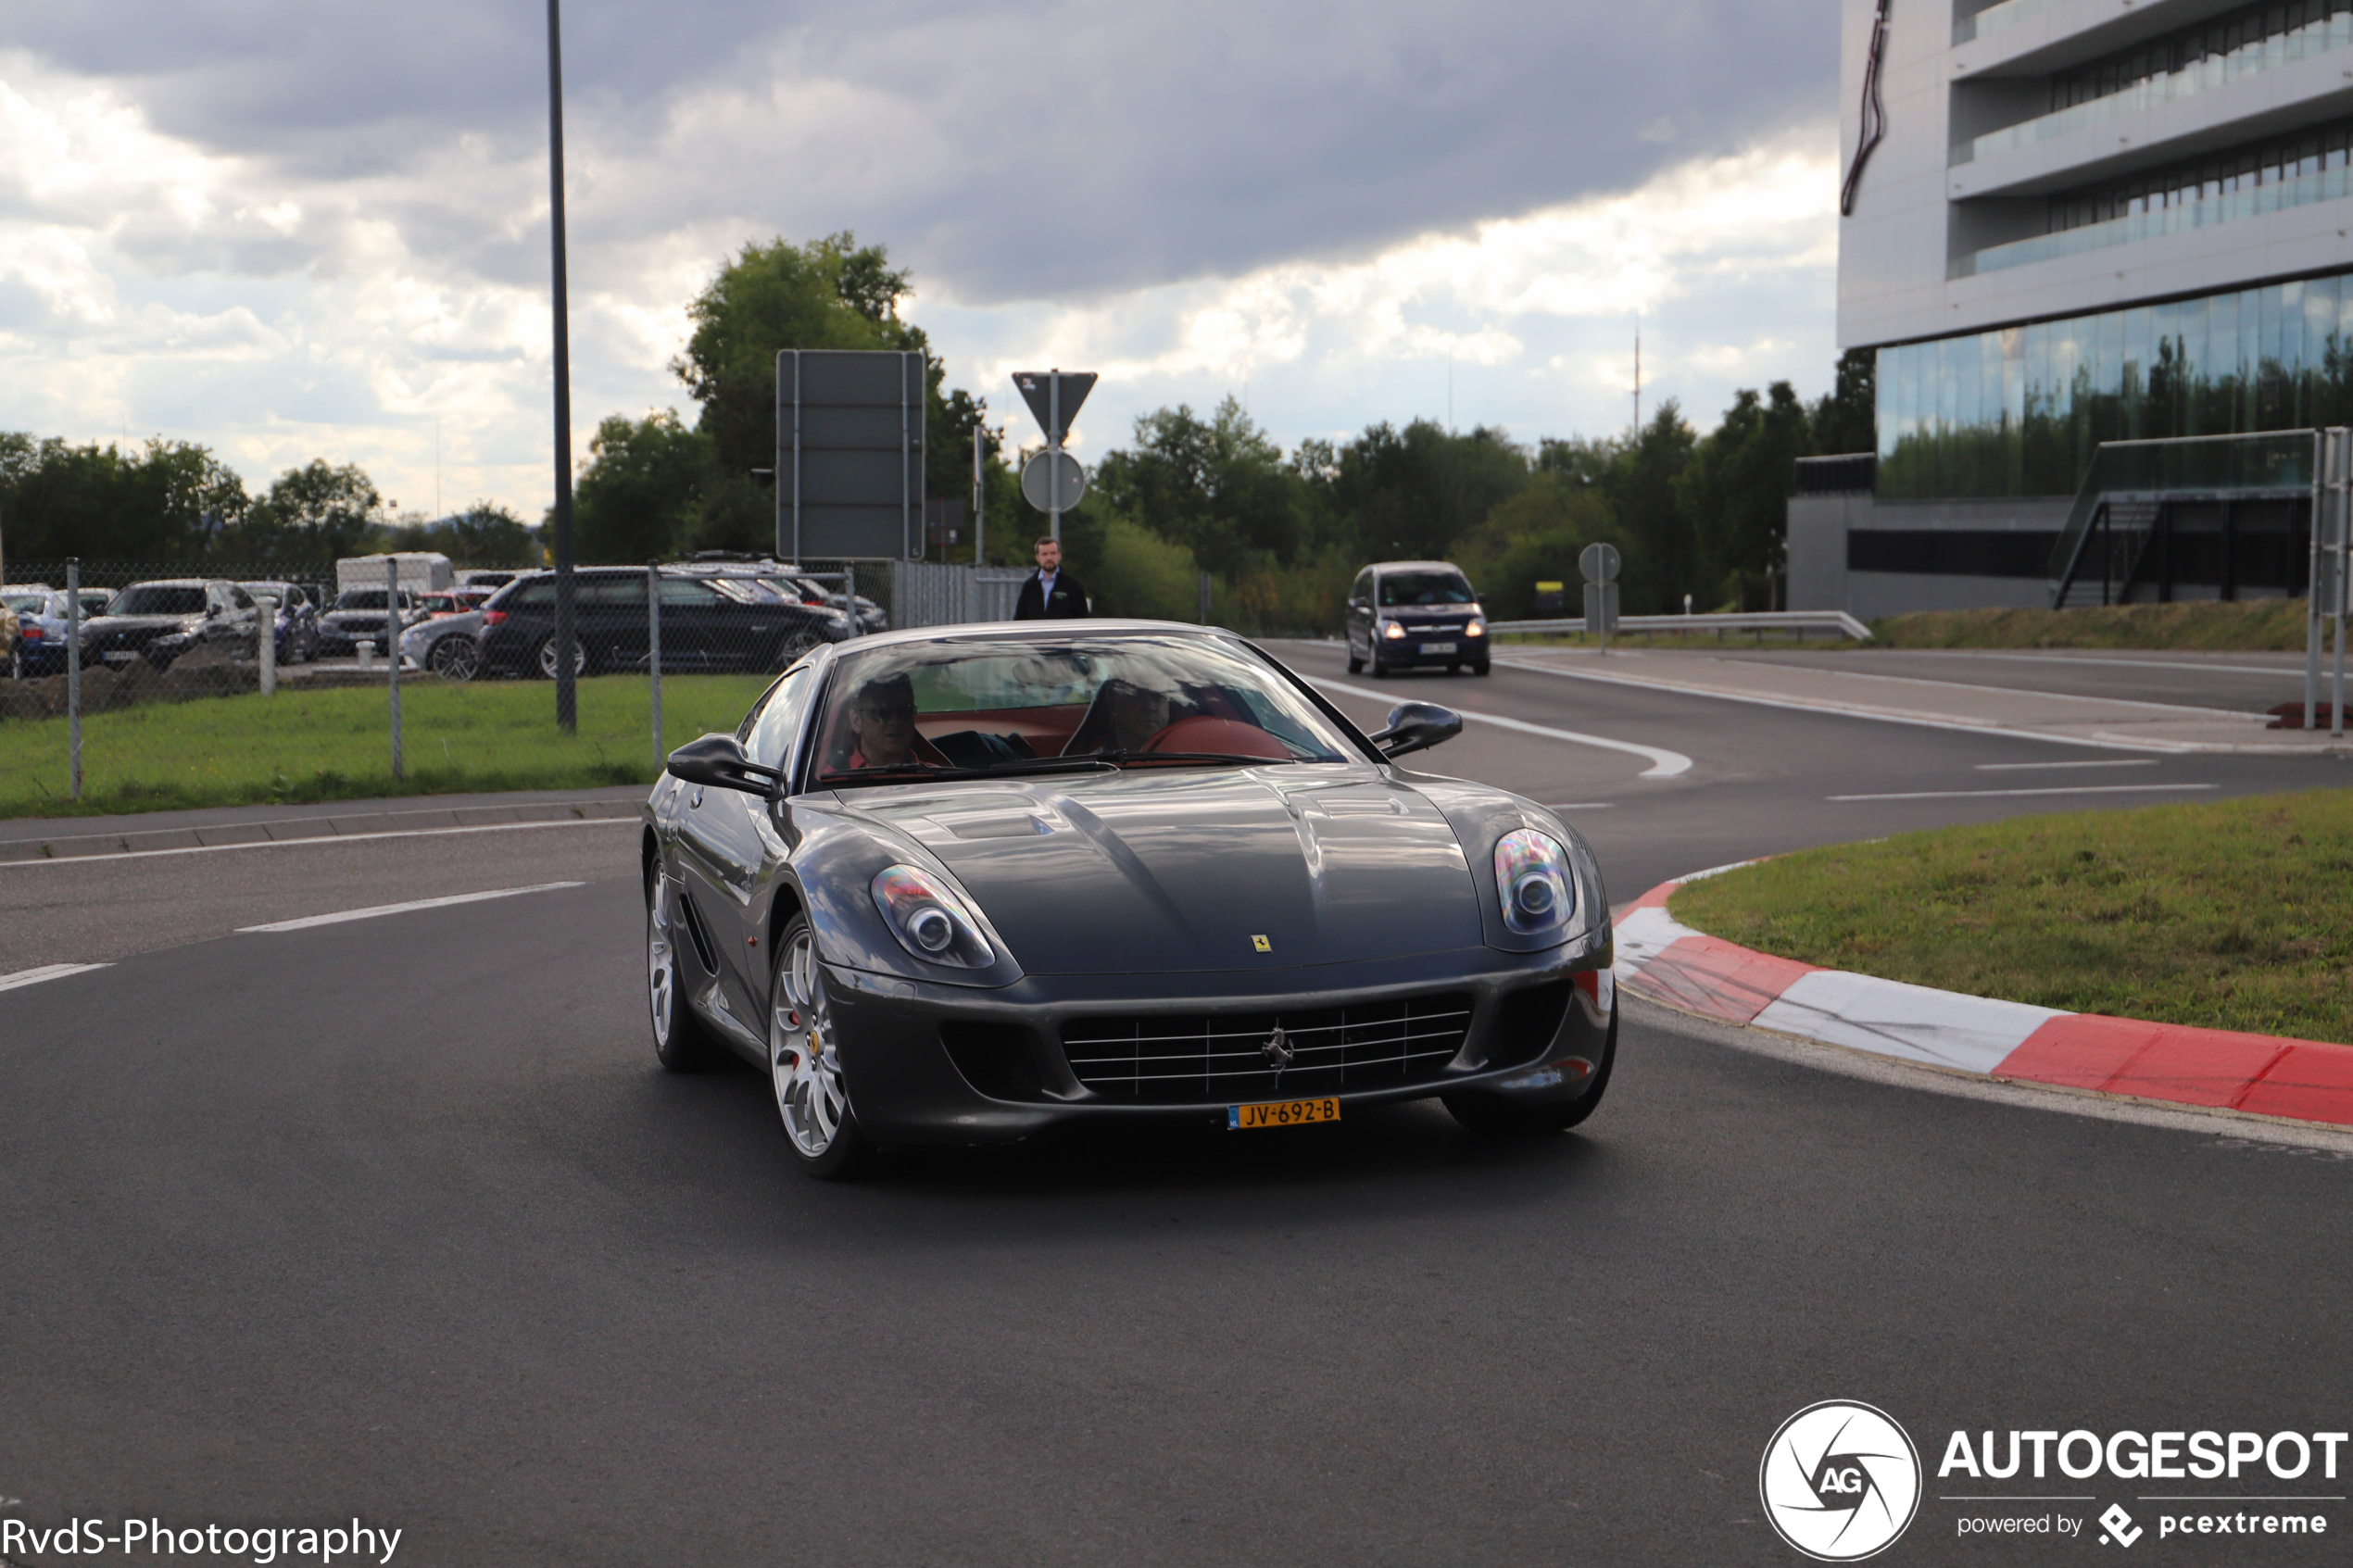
1137 713
882 723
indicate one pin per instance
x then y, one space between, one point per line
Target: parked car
488 581
1407 613
358 614
707 623
957 888
791 582
43 631
450 646
297 619
162 619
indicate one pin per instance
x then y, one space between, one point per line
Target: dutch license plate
119 656
1281 1113
1437 647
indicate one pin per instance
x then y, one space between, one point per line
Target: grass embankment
2239 626
2236 914
334 744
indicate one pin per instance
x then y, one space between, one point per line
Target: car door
690 616
731 849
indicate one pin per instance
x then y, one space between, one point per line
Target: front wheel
456 657
680 1041
1479 668
804 1063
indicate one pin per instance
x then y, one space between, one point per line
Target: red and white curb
1666 961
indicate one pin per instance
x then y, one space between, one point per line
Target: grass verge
334 744
2238 626
2234 915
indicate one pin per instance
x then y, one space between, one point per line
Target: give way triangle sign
1038 389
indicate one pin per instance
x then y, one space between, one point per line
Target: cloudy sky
321 230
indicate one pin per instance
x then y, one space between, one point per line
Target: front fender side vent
694 933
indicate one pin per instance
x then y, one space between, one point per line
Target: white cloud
149 285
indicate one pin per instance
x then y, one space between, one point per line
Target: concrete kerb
2261 1076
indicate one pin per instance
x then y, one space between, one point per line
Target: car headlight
1531 877
929 921
1394 631
1476 628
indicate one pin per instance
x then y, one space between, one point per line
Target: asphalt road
397 1218
2236 683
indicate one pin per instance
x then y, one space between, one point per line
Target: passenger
1137 713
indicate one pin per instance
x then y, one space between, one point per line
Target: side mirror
719 762
1417 726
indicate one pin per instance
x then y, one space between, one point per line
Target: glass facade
2195 59
2019 410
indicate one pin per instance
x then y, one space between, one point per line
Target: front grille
1223 1057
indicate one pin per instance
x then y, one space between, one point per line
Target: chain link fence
373 684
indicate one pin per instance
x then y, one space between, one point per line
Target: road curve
397 1218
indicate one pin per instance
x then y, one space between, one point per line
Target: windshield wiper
904 771
1125 756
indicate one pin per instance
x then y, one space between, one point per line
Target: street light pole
567 696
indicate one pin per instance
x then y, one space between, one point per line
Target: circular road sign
1036 475
1599 563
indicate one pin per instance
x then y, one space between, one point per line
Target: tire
681 1042
1380 671
455 658
804 1064
789 649
1479 668
1355 665
543 657
1491 1115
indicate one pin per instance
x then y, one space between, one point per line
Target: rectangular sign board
849 455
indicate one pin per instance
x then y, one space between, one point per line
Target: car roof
1386 566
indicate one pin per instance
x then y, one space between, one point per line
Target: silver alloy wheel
548 657
456 657
804 1064
661 960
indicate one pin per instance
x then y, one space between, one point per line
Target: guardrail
1835 621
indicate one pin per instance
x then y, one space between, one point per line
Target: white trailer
422 572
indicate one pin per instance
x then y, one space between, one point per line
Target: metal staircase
2112 551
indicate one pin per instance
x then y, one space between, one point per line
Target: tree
1640 484
1737 490
169 501
1536 536
1412 493
314 512
1846 419
1218 488
484 534
636 500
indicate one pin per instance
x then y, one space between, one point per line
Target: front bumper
930 1063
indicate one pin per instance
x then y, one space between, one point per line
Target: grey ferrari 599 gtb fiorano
959 885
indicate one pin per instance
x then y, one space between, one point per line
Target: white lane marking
341 915
2022 767
1876 715
1665 764
1988 793
2290 670
322 838
46 971
2012 691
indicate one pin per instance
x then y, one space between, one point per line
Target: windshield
361 598
32 602
991 705
1424 588
158 599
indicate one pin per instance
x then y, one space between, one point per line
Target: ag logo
1840 1481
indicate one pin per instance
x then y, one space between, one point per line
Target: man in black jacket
1050 594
